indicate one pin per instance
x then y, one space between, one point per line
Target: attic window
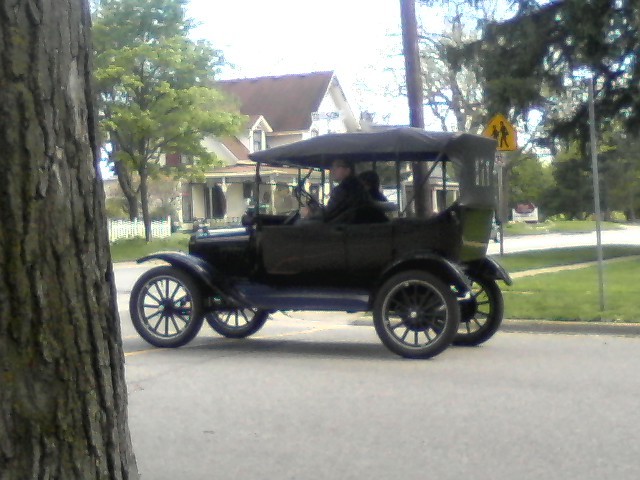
257 140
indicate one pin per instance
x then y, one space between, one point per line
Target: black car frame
427 281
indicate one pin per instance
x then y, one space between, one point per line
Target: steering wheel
301 194
291 218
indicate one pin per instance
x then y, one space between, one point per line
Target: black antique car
427 281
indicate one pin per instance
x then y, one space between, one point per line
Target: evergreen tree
530 61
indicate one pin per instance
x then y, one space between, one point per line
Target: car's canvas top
395 144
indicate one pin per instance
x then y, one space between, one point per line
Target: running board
265 297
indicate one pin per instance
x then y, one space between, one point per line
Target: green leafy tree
572 193
621 175
529 180
157 94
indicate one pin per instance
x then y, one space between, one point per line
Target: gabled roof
254 120
286 102
236 147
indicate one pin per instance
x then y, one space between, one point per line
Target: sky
357 39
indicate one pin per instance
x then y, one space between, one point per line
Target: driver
348 200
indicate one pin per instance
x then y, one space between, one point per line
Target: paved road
323 399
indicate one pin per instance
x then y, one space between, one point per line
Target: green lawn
134 248
573 295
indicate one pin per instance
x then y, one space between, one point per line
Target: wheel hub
415 319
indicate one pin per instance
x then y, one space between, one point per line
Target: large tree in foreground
63 400
157 94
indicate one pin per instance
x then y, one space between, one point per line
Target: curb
551 326
570 327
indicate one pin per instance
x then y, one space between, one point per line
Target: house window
173 159
257 140
219 202
247 190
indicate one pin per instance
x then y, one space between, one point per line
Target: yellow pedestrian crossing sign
503 132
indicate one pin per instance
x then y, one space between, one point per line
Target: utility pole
414 94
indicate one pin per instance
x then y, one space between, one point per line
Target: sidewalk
573 266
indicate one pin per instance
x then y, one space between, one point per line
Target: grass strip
133 248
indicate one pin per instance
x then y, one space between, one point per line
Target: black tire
238 323
415 314
166 307
482 316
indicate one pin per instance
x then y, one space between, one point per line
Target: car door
368 248
303 249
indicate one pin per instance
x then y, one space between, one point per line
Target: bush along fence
119 229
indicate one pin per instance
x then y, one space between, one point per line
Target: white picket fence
119 229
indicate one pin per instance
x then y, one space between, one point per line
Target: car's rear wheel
166 307
416 314
481 316
237 323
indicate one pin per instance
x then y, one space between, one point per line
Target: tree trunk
144 201
125 181
63 399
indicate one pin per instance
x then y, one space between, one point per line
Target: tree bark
63 399
144 203
125 181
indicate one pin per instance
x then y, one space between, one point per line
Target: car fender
440 266
488 268
192 265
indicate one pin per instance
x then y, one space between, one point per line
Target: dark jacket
351 203
378 196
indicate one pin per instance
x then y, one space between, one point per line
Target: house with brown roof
280 110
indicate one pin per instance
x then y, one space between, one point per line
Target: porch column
223 187
272 198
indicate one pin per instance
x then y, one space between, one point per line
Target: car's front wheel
166 307
416 314
237 323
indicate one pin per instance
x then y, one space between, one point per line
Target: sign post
596 191
506 138
500 214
